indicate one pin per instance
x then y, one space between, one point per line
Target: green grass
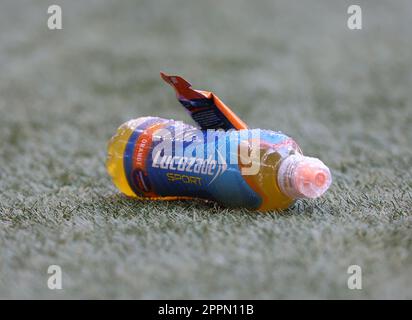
345 96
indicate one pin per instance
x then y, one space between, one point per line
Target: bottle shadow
122 205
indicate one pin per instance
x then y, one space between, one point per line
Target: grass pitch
345 96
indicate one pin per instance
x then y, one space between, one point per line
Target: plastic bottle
140 168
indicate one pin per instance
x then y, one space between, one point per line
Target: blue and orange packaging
221 160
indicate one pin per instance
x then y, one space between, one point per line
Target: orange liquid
265 183
115 152
115 156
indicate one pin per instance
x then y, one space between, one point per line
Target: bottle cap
303 177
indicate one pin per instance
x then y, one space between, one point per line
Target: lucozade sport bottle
223 160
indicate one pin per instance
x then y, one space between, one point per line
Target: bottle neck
303 177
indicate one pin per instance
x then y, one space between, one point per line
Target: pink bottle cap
303 177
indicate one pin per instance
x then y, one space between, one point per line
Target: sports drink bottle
223 160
